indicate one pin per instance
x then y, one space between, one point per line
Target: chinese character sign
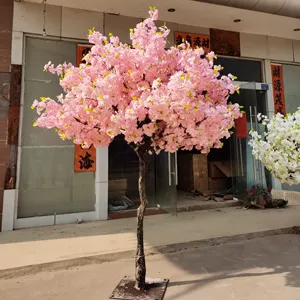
278 89
84 159
195 40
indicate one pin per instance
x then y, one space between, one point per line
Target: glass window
244 70
48 183
291 77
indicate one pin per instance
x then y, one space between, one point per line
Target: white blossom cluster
279 147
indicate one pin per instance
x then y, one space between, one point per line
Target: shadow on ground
262 268
256 258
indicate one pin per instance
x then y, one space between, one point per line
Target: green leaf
91 30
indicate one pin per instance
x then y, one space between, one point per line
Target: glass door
247 171
166 182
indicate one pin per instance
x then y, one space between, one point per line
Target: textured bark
140 262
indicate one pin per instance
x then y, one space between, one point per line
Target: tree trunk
140 262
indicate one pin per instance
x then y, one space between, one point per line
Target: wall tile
85 20
17 48
280 49
29 18
119 26
254 46
6 10
102 164
296 47
193 29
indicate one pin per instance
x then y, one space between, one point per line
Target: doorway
173 179
187 180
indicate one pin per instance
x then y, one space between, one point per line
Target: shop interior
223 175
202 178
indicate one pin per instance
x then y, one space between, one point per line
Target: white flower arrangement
279 147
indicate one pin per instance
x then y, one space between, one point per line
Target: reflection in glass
48 183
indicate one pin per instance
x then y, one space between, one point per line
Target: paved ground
58 243
264 269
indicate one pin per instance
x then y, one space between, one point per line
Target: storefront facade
48 191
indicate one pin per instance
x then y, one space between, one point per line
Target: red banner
84 159
241 131
195 40
278 89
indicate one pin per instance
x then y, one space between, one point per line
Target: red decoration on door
278 89
84 159
82 51
241 131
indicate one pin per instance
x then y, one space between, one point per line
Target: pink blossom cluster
164 99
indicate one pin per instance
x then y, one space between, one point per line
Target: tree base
155 290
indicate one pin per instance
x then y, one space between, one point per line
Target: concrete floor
36 246
264 268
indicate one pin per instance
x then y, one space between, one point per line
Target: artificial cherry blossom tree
158 99
279 147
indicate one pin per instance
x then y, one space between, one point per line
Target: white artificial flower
259 117
279 147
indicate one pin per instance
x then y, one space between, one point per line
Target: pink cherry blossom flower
162 99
